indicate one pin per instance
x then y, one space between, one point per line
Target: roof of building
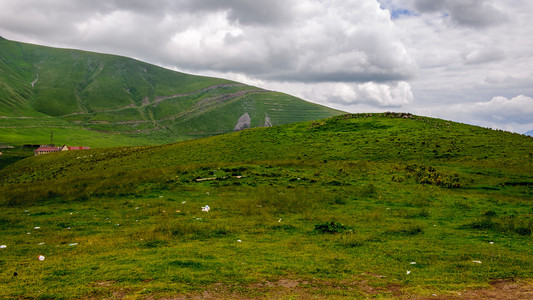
47 149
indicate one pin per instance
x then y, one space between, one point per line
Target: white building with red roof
45 149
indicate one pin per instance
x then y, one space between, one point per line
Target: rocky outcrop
243 122
268 123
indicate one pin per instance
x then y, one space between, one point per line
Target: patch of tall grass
522 225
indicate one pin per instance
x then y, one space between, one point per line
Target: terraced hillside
103 100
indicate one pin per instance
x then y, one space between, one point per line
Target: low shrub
330 227
409 229
429 175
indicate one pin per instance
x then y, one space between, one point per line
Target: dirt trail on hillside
35 81
162 98
145 101
204 104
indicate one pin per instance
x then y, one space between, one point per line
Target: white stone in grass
206 208
239 241
413 262
36 227
41 258
3 246
408 272
476 261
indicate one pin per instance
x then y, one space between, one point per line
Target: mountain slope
369 137
354 206
62 88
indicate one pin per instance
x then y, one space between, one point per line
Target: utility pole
51 138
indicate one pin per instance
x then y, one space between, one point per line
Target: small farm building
44 149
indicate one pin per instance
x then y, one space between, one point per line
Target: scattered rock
399 115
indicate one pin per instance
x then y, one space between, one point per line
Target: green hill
355 206
104 100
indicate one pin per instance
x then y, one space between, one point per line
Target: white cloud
411 55
462 64
305 41
345 94
517 110
515 114
484 55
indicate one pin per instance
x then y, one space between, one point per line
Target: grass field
355 206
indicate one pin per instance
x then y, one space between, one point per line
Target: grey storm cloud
246 12
242 11
306 40
320 45
474 13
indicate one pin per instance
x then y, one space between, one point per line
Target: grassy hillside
89 95
355 206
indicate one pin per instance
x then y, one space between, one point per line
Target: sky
469 61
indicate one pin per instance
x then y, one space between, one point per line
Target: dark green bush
330 227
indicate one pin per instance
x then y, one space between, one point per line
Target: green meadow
355 206
102 100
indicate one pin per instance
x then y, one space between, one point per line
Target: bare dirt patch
500 289
104 283
287 288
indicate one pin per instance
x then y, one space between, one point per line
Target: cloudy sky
462 60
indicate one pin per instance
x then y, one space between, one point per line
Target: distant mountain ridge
530 133
44 87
